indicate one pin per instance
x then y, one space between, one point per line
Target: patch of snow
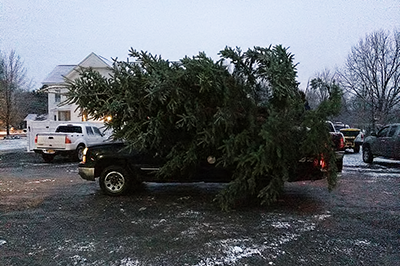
362 243
127 262
77 246
280 224
231 251
13 144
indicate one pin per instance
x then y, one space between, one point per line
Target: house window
57 96
64 116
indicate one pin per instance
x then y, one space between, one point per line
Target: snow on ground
13 144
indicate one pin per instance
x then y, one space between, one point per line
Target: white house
56 88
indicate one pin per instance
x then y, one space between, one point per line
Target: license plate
49 151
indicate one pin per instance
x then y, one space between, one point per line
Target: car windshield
339 127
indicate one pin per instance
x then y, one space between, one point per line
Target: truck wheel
339 165
367 155
79 152
48 157
114 180
356 148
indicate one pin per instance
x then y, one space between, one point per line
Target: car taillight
67 140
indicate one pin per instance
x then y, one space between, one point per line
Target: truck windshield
69 129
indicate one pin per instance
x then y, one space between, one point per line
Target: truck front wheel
114 180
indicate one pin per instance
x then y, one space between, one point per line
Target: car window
330 127
97 131
89 131
383 132
393 130
69 129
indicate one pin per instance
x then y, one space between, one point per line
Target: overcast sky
320 33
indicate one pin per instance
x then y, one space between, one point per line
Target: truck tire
367 155
114 180
339 165
356 148
48 158
79 152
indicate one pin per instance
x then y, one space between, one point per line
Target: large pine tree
245 110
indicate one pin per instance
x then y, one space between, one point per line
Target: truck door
90 137
379 147
392 143
97 134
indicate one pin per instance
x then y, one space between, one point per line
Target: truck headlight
84 154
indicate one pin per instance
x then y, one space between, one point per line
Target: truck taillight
36 139
67 140
341 144
320 163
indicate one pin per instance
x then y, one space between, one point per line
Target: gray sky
320 34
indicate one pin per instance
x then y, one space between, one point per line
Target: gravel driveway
50 216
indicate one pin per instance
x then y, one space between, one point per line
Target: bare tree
318 88
12 80
372 74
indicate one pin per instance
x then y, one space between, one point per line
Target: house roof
57 75
61 71
94 60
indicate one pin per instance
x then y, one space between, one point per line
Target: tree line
370 79
17 99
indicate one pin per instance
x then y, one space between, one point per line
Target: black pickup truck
119 168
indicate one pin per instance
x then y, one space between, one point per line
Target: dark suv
386 143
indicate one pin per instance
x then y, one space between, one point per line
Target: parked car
67 140
354 138
339 125
338 144
386 143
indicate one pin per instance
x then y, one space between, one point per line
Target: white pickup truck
68 140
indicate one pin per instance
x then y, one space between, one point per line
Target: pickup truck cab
68 140
386 143
119 168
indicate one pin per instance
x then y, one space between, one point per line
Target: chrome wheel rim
80 153
114 182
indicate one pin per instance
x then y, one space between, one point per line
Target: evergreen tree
248 114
